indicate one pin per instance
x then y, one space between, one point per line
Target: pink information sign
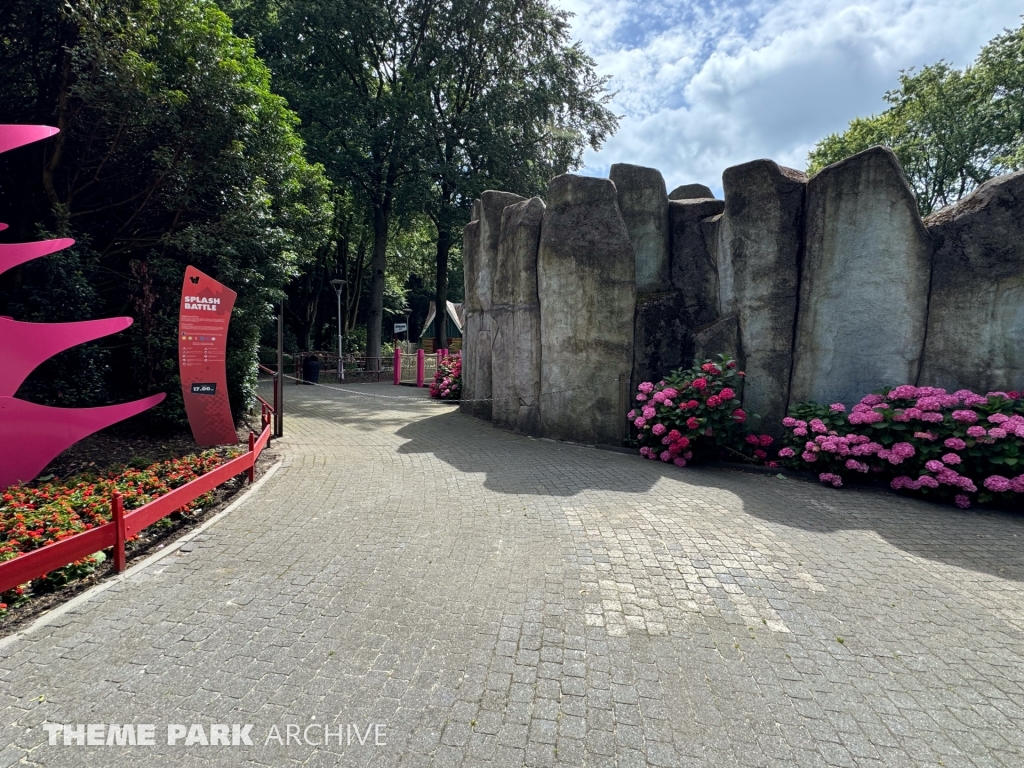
203 318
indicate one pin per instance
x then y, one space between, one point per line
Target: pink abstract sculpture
14 136
13 254
32 435
23 346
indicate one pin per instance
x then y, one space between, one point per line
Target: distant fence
39 562
416 369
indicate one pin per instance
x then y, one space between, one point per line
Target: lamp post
337 284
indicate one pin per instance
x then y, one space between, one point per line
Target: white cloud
705 85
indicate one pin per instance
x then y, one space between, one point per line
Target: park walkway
494 600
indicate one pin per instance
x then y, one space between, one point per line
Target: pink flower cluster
447 383
959 449
696 409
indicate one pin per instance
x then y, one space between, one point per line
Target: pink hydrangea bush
961 446
447 383
695 412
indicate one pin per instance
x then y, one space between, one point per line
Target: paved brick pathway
493 600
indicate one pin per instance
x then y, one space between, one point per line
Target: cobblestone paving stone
496 600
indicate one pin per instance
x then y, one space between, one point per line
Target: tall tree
358 73
172 151
951 129
419 105
513 103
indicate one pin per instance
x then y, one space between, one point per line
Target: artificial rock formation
479 278
515 312
666 320
662 336
758 252
821 289
864 282
644 207
691 192
722 337
471 326
586 285
694 273
975 336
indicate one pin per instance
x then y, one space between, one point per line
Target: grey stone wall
471 348
758 253
864 282
644 207
515 352
975 336
824 289
586 280
479 276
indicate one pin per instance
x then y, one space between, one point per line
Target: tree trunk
354 288
378 265
444 244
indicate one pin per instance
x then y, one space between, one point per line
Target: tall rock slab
864 282
662 336
587 290
479 272
975 336
694 272
666 320
471 326
515 312
758 260
644 207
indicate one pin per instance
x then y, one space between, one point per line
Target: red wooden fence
39 562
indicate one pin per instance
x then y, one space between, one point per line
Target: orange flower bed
34 517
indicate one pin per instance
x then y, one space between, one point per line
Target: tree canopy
951 129
276 145
416 106
173 150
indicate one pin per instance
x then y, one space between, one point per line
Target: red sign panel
203 318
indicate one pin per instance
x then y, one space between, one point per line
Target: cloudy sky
705 84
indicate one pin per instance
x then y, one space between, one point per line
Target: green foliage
173 151
416 106
951 129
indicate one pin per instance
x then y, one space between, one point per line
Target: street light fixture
337 285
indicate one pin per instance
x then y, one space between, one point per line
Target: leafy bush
963 445
696 414
447 384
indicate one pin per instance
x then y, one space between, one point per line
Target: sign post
204 315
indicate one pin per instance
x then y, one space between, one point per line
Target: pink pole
398 367
419 367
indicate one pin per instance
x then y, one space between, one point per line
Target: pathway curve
494 600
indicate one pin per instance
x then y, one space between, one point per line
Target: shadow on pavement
984 542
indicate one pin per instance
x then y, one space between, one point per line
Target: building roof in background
455 311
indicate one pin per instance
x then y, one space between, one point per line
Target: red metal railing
39 562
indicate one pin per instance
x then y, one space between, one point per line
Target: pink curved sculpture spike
13 136
2 226
13 254
32 435
23 346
